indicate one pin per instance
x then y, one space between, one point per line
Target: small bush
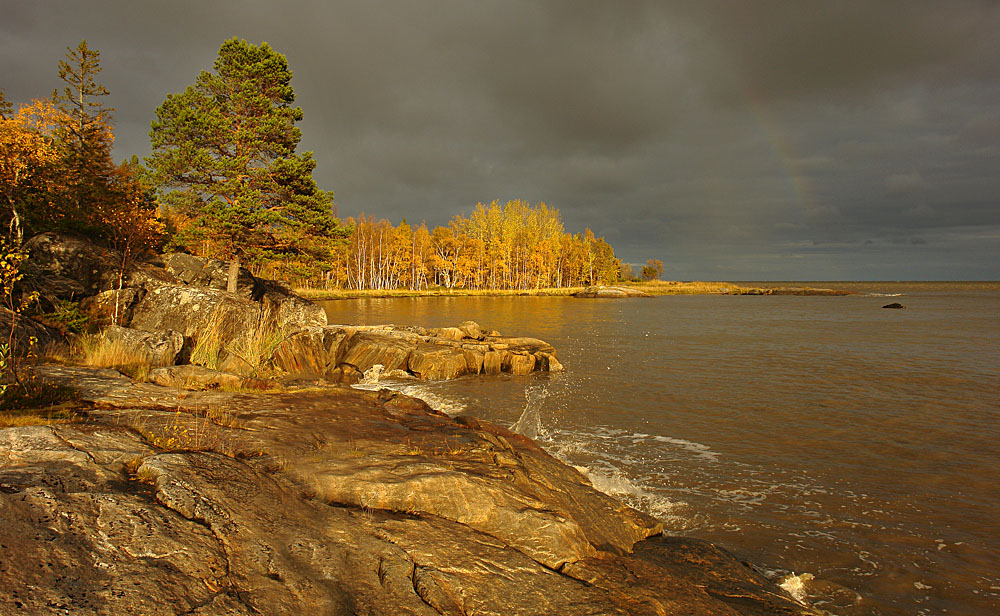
67 316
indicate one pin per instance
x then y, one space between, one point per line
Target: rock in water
895 306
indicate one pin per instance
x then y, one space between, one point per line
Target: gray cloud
730 139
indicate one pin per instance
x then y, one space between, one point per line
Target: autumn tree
28 156
224 153
652 270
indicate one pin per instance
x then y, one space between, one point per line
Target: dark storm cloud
732 139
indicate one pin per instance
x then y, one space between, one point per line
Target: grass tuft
100 351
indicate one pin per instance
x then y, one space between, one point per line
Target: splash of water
530 422
372 375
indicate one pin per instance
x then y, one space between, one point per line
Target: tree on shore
224 153
652 270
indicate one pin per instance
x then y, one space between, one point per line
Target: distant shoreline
657 288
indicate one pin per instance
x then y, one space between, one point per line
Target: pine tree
226 146
85 132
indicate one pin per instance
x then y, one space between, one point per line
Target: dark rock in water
895 306
330 502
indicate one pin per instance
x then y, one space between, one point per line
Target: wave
883 294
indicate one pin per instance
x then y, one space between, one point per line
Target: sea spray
530 422
372 375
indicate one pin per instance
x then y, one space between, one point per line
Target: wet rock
493 362
895 306
431 361
518 364
311 352
159 348
331 502
364 350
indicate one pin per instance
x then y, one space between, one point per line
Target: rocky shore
325 501
173 496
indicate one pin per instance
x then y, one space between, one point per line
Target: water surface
817 435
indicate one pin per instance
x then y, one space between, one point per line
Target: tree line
225 180
497 247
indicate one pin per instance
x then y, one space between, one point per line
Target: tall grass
100 351
246 347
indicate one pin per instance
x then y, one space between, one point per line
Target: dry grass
673 287
190 431
251 349
102 352
63 413
21 419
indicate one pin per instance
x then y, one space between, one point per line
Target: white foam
703 451
617 484
795 585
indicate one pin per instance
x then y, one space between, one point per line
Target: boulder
102 307
493 362
208 273
471 329
159 348
365 349
291 310
895 306
194 311
451 333
311 352
194 377
64 267
431 361
26 329
518 364
523 344
548 362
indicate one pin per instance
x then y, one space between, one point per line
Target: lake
852 447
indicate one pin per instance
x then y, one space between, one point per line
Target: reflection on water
818 435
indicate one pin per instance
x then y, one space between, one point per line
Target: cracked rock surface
325 501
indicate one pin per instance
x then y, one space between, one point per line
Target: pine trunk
234 274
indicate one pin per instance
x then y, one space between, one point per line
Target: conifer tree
225 150
85 132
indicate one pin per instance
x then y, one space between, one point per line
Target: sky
732 139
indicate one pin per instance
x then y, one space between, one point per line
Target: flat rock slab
328 501
610 293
